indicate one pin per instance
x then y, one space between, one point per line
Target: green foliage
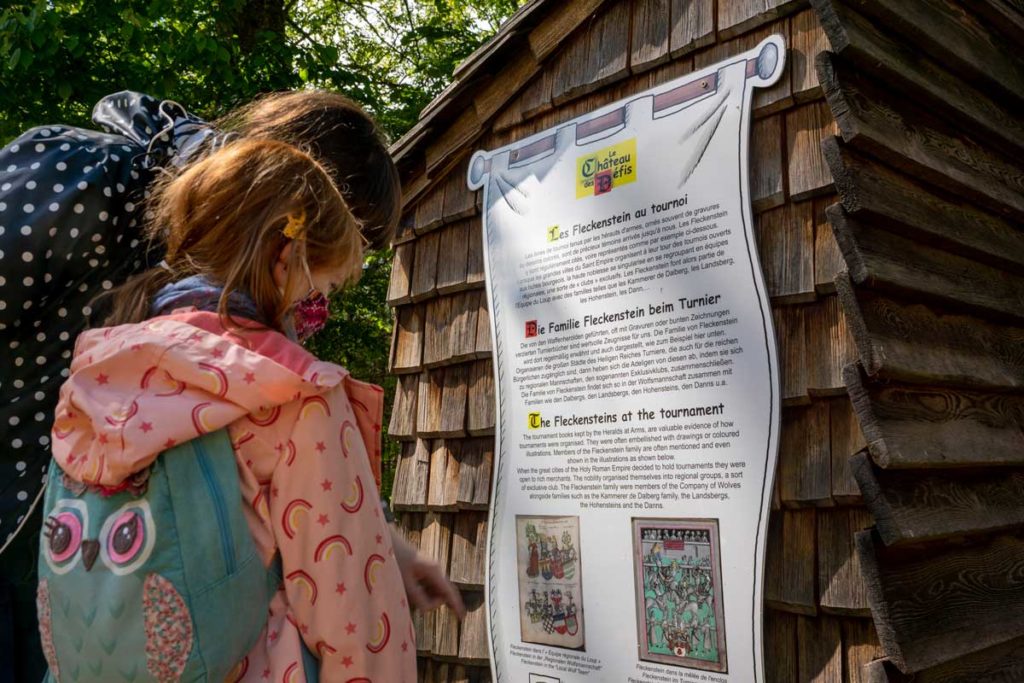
58 57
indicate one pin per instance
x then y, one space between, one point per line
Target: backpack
160 581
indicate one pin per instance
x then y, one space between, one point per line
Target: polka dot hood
70 210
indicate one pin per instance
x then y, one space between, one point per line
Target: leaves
393 56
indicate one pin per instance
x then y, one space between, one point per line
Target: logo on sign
607 168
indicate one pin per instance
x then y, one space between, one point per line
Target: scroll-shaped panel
637 385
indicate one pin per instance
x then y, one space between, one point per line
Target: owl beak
90 549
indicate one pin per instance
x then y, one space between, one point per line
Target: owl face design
123 543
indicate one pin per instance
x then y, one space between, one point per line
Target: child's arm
340 574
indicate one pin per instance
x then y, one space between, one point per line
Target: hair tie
296 223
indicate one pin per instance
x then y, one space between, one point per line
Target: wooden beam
927 427
890 59
874 193
551 33
998 664
915 506
505 85
951 35
934 604
595 57
887 126
922 344
884 260
453 142
1004 16
522 20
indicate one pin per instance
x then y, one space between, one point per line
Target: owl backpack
159 581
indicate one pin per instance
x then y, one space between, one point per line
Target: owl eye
63 534
128 536
126 539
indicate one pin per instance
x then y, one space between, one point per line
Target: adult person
71 203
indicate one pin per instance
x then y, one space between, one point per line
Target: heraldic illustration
679 586
549 580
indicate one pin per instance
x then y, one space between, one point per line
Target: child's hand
425 583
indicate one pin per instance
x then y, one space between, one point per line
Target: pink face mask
311 315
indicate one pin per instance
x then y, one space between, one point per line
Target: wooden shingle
408 340
789 565
786 249
767 174
650 39
453 258
839 577
806 126
805 458
400 286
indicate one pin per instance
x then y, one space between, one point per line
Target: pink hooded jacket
304 434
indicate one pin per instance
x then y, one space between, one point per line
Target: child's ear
281 265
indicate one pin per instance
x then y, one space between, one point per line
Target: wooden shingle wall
929 165
939 383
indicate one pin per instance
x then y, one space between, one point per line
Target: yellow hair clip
296 224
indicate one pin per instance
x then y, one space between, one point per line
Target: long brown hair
338 131
225 217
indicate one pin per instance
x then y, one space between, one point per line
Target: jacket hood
183 372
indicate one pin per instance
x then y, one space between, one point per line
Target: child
256 234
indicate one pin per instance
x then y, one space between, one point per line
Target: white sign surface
637 388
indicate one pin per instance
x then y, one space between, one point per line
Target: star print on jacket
304 434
